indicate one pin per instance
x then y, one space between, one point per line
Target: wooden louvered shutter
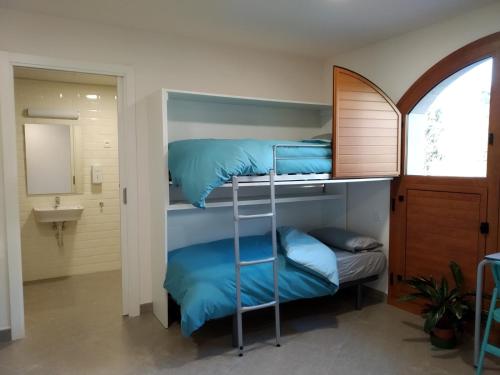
366 128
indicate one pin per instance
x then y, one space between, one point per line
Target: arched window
447 131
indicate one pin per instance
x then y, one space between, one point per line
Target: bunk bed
365 148
202 270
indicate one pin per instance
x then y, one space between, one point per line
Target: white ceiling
310 27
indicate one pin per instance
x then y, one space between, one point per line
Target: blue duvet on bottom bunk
201 279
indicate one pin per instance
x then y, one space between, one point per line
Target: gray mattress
355 266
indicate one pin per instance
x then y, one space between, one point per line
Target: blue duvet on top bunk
200 165
201 279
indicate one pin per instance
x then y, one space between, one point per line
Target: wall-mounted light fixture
52 113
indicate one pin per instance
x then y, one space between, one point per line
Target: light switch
96 174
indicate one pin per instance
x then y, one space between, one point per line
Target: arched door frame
478 50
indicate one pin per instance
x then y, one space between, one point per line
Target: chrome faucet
57 202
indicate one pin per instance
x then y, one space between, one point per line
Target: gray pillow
345 240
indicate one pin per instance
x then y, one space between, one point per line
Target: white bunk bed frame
159 187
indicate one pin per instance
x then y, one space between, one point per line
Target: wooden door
443 225
366 128
445 215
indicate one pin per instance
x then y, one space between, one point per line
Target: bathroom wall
93 243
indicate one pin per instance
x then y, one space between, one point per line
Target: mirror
53 159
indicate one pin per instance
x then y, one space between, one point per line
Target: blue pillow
309 254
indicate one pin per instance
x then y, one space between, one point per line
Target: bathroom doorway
9 181
69 196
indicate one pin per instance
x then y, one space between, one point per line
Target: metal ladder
238 263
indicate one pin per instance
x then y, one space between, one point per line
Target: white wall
396 63
195 119
91 244
159 61
368 210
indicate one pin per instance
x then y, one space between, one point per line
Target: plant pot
443 338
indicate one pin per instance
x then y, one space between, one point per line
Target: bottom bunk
201 278
359 286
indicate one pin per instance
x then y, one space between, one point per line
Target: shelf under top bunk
254 201
299 179
281 180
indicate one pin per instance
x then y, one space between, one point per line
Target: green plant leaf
424 286
432 318
457 310
443 306
457 274
444 289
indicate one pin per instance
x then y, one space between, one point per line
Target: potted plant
445 309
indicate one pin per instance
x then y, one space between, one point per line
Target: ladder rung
257 261
255 216
258 307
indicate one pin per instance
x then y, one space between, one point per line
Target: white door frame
127 138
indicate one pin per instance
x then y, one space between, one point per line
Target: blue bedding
200 165
201 279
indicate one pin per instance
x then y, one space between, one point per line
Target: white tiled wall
93 243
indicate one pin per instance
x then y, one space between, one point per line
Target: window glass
448 129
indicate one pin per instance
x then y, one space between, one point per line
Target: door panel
440 227
366 128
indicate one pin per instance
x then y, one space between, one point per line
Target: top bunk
363 143
198 167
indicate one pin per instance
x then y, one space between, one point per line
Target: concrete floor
74 327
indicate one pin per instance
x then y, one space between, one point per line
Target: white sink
59 214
